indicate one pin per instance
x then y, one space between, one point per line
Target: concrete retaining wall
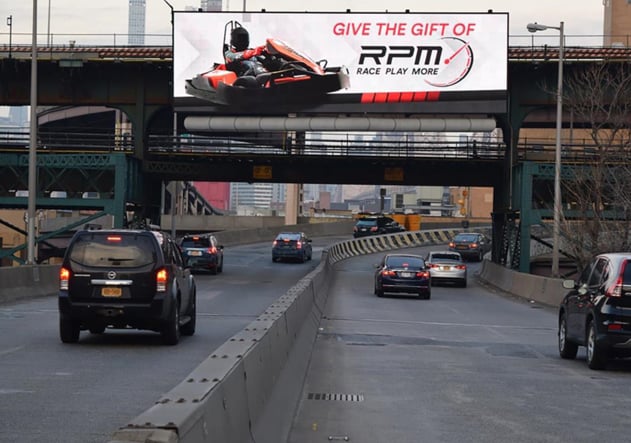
544 290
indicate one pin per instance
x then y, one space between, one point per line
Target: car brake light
212 250
298 245
474 245
452 245
114 238
614 327
161 280
422 274
64 277
616 289
432 265
387 273
373 229
275 243
461 267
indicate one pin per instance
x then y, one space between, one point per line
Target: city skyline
68 17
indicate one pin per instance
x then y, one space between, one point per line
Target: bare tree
596 214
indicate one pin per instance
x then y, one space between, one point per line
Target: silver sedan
447 266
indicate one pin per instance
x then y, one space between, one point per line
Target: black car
292 245
376 225
403 273
471 245
596 312
202 252
124 278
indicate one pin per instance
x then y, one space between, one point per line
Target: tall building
617 23
136 23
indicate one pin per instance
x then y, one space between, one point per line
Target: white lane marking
11 350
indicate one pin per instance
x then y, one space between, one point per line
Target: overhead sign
385 53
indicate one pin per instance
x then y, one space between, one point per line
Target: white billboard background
478 44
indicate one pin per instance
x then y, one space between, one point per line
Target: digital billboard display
236 58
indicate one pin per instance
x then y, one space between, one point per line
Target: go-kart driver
241 59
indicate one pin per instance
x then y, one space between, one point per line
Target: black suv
121 278
376 225
596 312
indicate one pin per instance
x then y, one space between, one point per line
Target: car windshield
196 242
405 261
466 238
113 250
445 256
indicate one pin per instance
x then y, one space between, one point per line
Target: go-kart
290 77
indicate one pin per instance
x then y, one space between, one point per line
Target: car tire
220 269
188 328
596 355
171 331
69 330
567 349
213 269
426 295
379 292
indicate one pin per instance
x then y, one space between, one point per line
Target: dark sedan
471 245
403 273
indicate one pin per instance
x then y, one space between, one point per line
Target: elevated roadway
471 364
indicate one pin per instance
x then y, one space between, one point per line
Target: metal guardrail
320 144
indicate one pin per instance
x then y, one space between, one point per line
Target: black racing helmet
239 39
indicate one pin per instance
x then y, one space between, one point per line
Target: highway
469 365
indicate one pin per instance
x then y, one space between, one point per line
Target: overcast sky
581 17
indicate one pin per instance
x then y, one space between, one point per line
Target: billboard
347 57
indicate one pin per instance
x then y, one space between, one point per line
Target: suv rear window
113 250
367 222
283 236
196 242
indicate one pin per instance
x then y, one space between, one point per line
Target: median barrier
28 281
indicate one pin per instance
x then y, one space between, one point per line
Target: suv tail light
161 280
452 244
64 277
212 250
298 245
615 290
275 243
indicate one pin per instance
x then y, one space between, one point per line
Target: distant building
617 23
211 5
136 24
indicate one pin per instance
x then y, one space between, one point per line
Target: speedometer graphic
456 64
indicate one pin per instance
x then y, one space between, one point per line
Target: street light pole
32 151
534 27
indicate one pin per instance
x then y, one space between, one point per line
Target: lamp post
10 25
32 151
534 27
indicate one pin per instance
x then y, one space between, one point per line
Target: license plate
111 292
196 253
406 274
446 268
